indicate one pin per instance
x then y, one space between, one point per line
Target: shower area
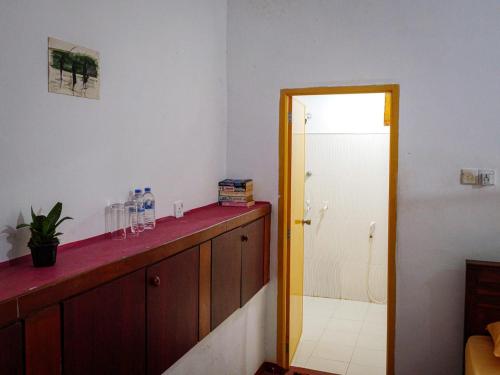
346 242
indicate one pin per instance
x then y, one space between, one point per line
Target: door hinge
290 118
288 234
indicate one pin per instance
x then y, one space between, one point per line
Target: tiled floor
343 337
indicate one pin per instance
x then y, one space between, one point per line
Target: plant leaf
33 216
35 230
38 222
19 226
64 218
58 234
54 214
46 227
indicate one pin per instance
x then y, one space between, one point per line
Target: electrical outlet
486 177
178 209
469 176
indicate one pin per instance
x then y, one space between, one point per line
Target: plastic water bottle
140 209
140 219
149 209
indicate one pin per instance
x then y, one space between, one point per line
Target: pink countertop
19 277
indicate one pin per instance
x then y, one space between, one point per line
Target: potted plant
44 242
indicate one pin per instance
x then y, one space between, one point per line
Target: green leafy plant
44 228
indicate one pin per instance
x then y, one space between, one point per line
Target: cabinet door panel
252 260
11 350
42 342
205 283
226 275
172 309
105 328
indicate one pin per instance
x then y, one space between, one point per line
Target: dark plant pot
44 255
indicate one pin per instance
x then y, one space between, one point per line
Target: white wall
345 114
347 153
234 347
444 56
161 119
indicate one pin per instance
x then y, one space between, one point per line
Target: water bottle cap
137 191
147 189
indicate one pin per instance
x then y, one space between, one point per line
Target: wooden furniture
11 350
42 341
205 289
226 275
482 296
172 330
133 306
237 269
104 330
482 306
252 258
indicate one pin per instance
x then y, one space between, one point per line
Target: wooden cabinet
237 269
226 276
42 340
142 311
172 301
104 329
252 260
11 349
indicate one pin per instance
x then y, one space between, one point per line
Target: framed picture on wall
73 70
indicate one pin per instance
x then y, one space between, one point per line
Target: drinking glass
131 218
118 229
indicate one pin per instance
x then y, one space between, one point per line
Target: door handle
244 238
307 222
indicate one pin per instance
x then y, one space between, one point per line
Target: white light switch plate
178 209
486 177
469 176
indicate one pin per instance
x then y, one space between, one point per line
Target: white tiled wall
350 174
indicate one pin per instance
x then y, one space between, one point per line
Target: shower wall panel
347 190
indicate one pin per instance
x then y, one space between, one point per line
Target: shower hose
368 290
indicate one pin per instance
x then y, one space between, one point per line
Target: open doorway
336 282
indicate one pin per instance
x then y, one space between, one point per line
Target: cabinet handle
244 238
155 281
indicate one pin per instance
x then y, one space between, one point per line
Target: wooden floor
272 369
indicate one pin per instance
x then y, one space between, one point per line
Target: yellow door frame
283 302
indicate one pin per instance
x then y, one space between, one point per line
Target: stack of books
236 193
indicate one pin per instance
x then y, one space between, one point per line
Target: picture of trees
73 70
